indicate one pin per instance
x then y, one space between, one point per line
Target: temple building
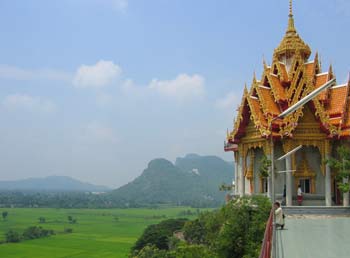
320 126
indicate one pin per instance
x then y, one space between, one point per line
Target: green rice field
97 233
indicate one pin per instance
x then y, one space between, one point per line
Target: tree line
66 200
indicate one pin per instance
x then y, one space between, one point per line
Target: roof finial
291 28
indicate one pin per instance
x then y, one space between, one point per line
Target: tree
12 237
151 251
158 235
71 220
194 251
42 220
194 231
265 165
243 228
342 165
236 230
4 215
36 232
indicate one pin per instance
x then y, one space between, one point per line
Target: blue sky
94 89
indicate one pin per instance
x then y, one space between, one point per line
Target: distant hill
192 180
51 183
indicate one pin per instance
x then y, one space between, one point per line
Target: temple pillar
240 175
328 191
269 181
289 186
242 179
236 173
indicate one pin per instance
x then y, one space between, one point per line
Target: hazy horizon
95 89
111 187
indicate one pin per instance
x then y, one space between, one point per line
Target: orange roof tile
268 100
277 87
338 95
320 80
310 69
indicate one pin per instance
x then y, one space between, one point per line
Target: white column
242 180
328 192
289 187
269 180
345 195
236 173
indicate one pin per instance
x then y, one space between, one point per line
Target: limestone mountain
192 180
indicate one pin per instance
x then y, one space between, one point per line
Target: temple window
305 185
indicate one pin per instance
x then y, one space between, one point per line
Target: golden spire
291 28
291 42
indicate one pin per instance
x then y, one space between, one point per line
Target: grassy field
97 232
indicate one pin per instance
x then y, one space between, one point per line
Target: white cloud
28 103
96 76
17 73
182 87
230 101
98 133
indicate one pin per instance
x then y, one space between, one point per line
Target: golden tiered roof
292 42
290 77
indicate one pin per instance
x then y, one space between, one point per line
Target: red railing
265 251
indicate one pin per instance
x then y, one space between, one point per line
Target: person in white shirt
279 216
300 195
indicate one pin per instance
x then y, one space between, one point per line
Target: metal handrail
265 251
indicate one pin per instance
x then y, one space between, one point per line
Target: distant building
319 126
